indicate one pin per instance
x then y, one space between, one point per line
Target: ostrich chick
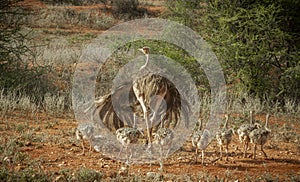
224 137
196 138
164 138
128 136
200 141
259 136
244 131
84 131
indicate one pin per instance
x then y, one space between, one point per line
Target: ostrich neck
251 118
267 120
134 120
147 61
226 123
200 125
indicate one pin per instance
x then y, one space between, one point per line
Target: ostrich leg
141 100
82 145
254 151
262 149
245 149
221 154
202 161
196 156
226 150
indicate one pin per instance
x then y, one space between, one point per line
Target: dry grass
64 17
37 141
42 147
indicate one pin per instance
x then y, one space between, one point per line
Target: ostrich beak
141 50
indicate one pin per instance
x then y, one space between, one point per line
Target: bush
75 2
257 42
127 9
19 72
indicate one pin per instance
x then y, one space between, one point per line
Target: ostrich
259 136
244 131
141 90
196 137
128 136
200 141
163 137
84 131
158 87
224 137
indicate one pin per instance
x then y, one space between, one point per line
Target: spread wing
116 109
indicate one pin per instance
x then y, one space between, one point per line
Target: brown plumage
84 131
164 138
259 136
224 137
200 141
143 94
244 131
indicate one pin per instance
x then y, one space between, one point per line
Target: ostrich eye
146 50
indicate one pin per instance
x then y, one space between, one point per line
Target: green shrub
18 69
75 2
85 174
257 42
127 9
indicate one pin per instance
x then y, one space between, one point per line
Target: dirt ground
51 141
60 150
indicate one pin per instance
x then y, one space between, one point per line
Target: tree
17 73
257 43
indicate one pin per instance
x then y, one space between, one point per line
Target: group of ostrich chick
250 132
141 90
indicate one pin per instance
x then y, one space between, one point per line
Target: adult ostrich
146 94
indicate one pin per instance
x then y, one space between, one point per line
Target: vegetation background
256 41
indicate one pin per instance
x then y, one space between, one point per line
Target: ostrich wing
176 105
204 140
115 108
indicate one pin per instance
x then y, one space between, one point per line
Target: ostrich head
146 51
226 117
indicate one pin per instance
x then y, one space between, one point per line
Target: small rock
6 159
154 175
18 168
179 158
60 165
97 148
58 178
101 165
28 143
151 174
123 170
111 174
